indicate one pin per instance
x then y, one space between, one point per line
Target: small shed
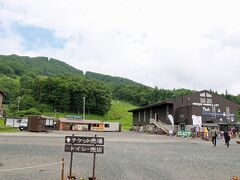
111 126
36 123
49 122
73 124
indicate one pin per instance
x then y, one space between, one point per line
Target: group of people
215 134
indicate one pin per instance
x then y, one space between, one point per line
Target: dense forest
36 85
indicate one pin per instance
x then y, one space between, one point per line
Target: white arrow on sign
68 140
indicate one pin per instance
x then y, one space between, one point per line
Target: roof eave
149 106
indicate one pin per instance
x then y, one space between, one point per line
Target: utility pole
84 107
18 103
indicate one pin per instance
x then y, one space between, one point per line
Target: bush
32 111
44 108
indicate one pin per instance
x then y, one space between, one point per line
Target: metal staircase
160 125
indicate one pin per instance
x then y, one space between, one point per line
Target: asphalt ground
127 155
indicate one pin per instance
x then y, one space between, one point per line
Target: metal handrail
160 125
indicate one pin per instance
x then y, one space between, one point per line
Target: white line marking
30 167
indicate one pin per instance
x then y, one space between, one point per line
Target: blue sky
2 32
1 5
168 44
34 38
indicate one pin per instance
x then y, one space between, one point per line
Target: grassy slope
118 113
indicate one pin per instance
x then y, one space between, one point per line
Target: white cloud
169 44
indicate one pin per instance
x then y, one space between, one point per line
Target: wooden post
62 169
71 159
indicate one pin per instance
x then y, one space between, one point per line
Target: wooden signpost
81 144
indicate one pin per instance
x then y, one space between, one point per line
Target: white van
23 125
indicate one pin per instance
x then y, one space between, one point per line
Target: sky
192 44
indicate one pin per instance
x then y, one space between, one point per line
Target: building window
202 95
202 100
49 122
228 113
182 116
106 125
209 101
208 95
227 109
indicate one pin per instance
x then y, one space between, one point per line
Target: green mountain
111 79
55 85
23 72
19 65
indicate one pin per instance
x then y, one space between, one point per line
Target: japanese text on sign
84 140
84 149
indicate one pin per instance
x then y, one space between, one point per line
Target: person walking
226 137
214 136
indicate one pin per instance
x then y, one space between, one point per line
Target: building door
156 117
182 127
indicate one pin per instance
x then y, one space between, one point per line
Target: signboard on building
73 116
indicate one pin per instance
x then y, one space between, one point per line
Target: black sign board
84 140
84 145
84 149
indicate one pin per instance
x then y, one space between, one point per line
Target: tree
10 87
26 81
6 70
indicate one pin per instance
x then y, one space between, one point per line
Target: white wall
14 122
113 126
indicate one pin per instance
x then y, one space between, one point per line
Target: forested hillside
19 65
36 85
111 80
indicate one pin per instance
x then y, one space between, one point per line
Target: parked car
23 125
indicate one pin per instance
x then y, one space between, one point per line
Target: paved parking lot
127 155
